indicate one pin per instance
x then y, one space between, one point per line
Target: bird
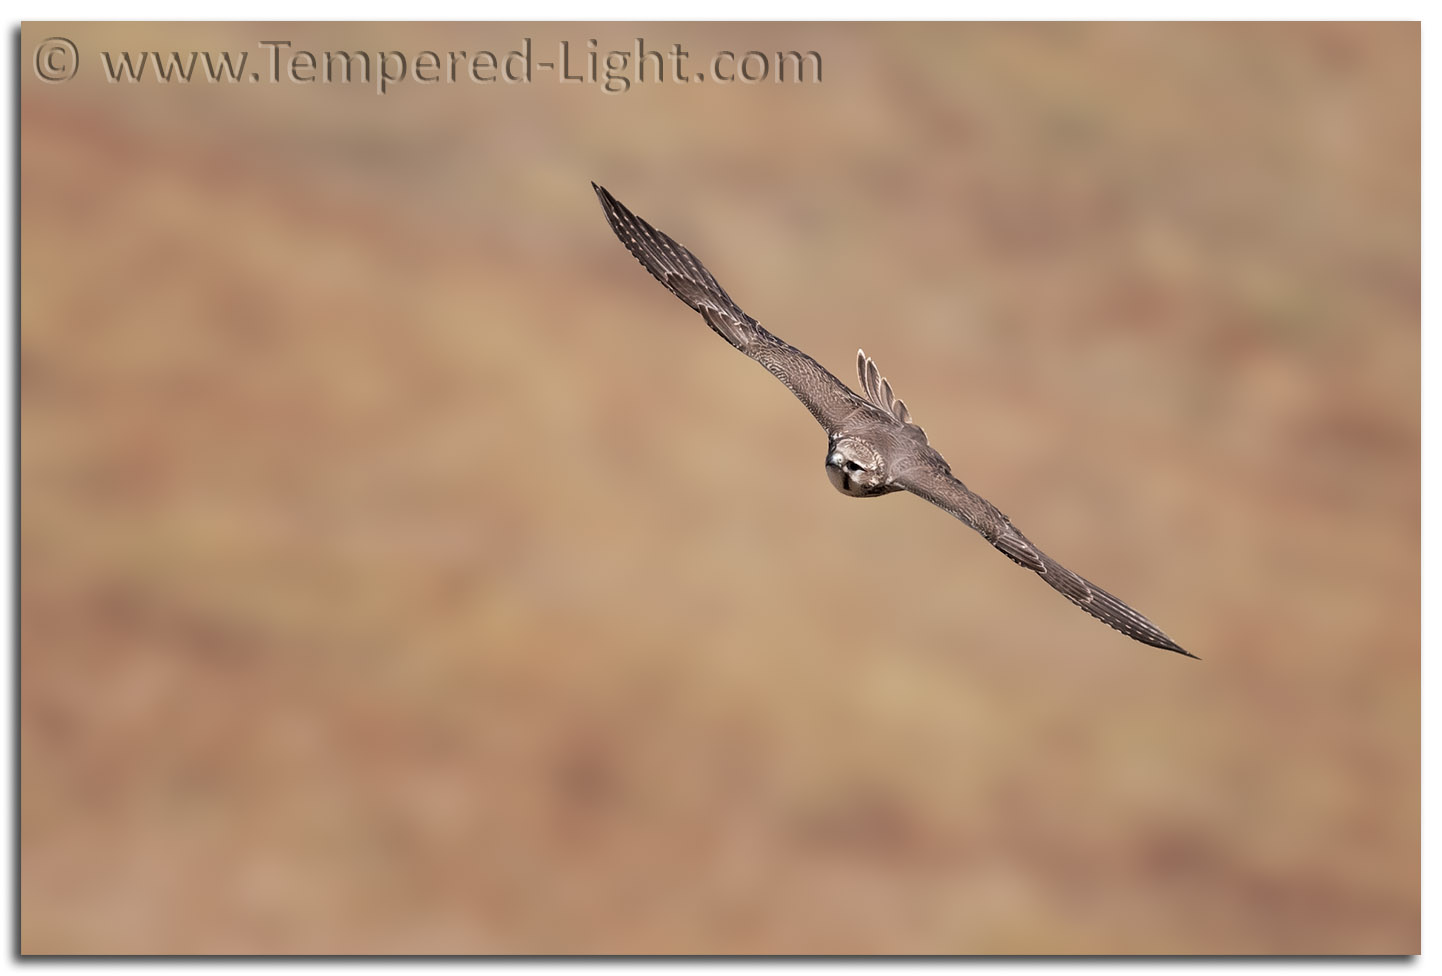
873 445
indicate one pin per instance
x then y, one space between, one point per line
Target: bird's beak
836 460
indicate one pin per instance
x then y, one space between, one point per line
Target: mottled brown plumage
873 445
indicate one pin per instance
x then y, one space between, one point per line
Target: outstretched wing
828 399
933 481
878 391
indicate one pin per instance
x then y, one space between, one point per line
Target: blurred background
404 570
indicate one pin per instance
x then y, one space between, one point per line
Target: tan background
403 570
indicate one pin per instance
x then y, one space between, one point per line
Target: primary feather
876 426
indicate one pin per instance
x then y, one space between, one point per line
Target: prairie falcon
873 446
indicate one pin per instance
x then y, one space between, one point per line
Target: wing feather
935 482
683 274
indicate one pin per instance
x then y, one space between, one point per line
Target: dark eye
852 467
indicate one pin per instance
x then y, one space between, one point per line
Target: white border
654 10
657 10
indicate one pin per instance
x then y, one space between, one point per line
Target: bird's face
856 468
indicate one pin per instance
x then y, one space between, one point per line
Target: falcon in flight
873 447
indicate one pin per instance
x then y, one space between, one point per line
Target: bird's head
856 467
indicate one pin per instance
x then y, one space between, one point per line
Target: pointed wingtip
610 206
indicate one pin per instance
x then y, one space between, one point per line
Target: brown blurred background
403 570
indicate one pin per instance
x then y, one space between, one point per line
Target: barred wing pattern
881 418
828 399
940 487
